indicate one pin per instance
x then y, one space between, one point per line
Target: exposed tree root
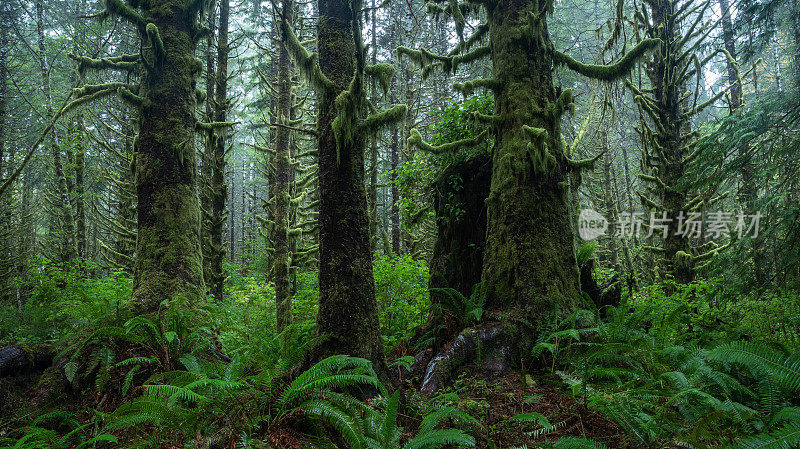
491 343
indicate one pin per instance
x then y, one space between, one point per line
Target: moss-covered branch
583 164
381 120
127 63
214 127
492 120
416 140
426 60
613 71
119 9
467 88
126 95
156 42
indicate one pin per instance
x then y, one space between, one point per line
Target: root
489 342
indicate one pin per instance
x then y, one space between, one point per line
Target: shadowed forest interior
386 224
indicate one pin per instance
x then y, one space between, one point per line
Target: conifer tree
218 138
168 262
667 107
348 310
529 261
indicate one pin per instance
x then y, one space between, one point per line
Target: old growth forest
399 224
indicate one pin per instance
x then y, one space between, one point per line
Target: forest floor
491 399
494 399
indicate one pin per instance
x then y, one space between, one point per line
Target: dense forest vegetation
569 224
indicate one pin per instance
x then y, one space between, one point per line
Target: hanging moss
306 61
458 18
120 9
383 73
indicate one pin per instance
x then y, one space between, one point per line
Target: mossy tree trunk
80 188
168 254
219 190
609 202
748 191
280 186
669 143
395 209
460 205
372 200
65 225
348 310
529 266
668 140
529 262
6 259
206 158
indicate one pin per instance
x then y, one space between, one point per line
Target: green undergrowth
678 370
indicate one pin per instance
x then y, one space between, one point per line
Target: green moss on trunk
529 261
348 310
169 262
280 187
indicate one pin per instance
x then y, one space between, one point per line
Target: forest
400 224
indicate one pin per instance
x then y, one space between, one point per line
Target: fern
577 443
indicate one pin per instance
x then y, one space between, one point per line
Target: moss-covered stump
460 207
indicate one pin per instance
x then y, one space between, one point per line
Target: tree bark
529 263
219 190
66 231
457 259
348 310
206 159
169 260
6 259
280 188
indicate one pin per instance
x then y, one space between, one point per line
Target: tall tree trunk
169 260
373 152
207 156
608 200
529 261
219 190
6 262
66 232
395 162
80 187
747 189
280 188
348 310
